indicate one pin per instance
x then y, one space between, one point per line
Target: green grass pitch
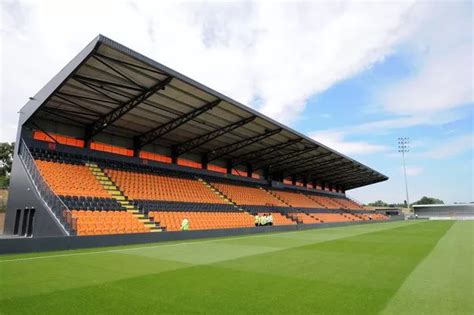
417 267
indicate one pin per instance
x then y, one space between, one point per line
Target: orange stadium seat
247 195
296 199
107 222
330 217
324 202
304 218
202 220
160 187
70 180
278 218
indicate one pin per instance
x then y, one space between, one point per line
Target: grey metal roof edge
113 44
62 76
58 80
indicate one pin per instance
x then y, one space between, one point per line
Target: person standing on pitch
185 224
257 220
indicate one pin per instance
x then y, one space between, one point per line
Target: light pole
404 147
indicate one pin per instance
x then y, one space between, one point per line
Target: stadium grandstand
117 143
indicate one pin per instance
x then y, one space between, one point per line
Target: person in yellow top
185 224
257 220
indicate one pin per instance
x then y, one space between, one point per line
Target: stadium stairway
219 193
317 201
116 194
276 196
293 218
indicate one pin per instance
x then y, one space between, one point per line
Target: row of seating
278 218
247 195
304 218
169 196
156 187
297 200
325 202
106 222
330 217
91 203
54 156
71 179
242 193
163 205
349 204
171 220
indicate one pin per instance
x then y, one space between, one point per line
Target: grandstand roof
109 88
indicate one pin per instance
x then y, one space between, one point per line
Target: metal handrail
60 211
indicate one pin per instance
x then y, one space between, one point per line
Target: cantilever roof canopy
108 88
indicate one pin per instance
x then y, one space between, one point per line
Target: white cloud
453 147
277 53
442 50
413 170
335 140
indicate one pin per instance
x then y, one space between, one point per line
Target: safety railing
53 202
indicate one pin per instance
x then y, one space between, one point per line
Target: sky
352 75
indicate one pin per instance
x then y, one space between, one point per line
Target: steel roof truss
108 119
203 139
222 151
166 128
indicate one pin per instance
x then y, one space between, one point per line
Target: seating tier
202 220
158 187
107 222
71 179
248 195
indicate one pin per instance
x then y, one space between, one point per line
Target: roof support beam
103 82
203 139
331 166
352 173
108 119
126 77
331 162
260 153
64 116
160 131
70 102
282 158
353 177
325 165
305 163
329 175
350 169
285 164
222 151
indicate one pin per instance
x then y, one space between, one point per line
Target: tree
6 158
378 203
428 201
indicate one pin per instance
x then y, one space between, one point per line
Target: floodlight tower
404 147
